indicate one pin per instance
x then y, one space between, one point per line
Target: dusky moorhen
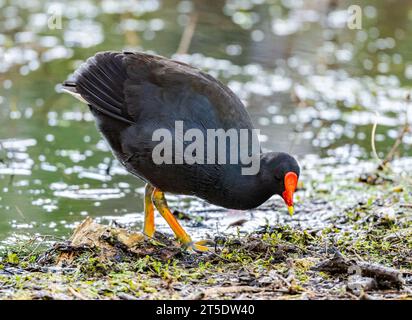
132 94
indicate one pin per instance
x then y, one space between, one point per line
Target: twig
125 296
188 34
375 124
232 289
78 295
338 264
20 213
391 153
405 129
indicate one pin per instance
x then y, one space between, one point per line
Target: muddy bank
348 240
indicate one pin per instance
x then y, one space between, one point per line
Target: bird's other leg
160 203
149 225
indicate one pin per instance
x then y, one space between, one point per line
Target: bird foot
200 246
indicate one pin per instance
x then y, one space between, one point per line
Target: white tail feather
76 95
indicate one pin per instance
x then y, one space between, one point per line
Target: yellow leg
149 225
160 203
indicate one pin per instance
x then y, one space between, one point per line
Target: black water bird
132 94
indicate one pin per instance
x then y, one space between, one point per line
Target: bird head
283 172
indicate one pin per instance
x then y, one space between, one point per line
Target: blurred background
311 84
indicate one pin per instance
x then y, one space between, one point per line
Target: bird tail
70 88
99 82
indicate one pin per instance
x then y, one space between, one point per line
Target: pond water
312 85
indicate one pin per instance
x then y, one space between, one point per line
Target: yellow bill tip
291 210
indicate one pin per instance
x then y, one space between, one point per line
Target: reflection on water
311 85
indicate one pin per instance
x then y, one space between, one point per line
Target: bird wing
100 82
122 85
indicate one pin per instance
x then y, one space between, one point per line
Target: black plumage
131 94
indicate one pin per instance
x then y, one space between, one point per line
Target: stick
375 124
188 34
78 295
389 157
406 128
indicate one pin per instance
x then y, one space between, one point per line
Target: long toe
201 246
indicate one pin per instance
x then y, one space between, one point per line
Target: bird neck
245 191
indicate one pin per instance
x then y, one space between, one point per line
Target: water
311 85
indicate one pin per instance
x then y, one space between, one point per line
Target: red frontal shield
291 182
